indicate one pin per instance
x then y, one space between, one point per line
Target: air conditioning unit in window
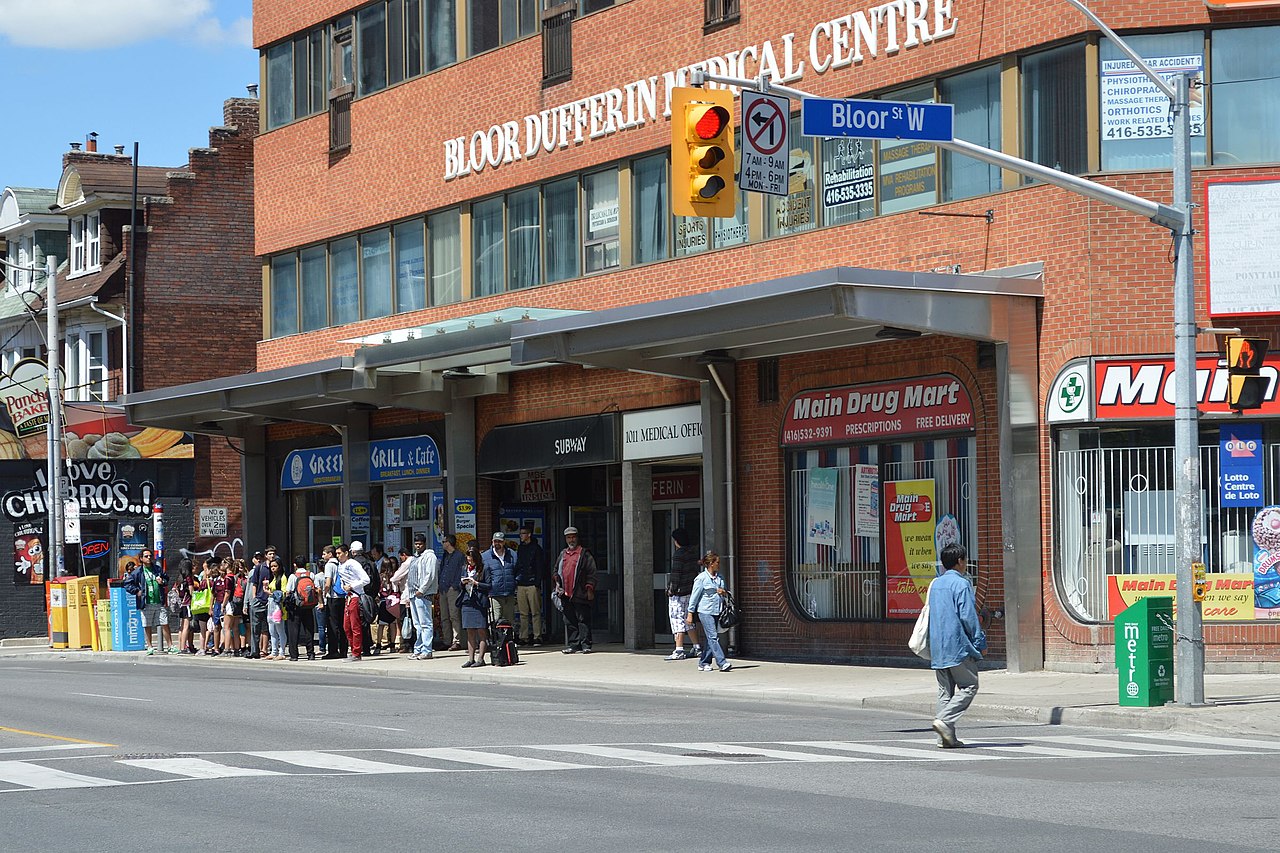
1153 559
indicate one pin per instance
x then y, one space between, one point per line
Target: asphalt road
175 755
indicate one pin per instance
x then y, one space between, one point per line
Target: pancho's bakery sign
928 404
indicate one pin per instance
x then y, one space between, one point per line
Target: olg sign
1144 652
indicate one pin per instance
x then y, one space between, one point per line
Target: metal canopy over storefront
826 309
424 372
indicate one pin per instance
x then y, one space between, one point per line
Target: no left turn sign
766 121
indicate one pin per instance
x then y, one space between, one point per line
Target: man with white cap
576 586
500 570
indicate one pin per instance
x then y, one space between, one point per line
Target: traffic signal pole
1189 660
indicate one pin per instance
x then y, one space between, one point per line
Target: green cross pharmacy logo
1071 392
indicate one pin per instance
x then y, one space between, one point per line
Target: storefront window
314 283
344 280
524 262
1246 111
1053 86
1135 121
651 212
691 237
601 250
976 98
560 237
284 295
732 231
446 256
411 274
795 213
487 239
1114 515
375 263
908 171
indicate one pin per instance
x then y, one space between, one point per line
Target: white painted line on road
1242 742
490 759
1122 745
644 756
884 751
47 778
103 696
345 763
196 768
1031 750
781 754
51 748
352 725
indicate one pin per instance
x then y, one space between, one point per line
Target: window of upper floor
86 243
86 362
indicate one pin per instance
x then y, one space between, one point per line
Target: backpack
152 582
339 590
304 592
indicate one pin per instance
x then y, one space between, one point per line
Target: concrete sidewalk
1243 704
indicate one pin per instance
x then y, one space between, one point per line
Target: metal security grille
557 42
719 12
340 122
1115 513
847 580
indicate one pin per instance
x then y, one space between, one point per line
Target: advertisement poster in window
438 530
910 556
908 176
1266 563
820 512
391 522
848 175
866 501
1133 108
28 550
1228 598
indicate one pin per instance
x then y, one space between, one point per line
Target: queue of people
350 604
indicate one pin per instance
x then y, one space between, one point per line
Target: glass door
596 532
321 531
666 518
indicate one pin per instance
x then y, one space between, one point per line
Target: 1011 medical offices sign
848 40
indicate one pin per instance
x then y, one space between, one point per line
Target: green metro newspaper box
1144 652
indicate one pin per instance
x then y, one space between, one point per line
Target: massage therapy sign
911 557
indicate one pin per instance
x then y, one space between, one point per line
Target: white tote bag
919 642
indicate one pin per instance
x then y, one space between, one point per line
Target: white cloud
78 24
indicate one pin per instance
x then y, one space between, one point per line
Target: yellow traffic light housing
1244 367
1199 583
703 182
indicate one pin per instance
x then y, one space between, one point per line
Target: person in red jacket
576 587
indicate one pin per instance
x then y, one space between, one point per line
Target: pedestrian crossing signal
702 156
1244 367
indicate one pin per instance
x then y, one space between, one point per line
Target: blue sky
151 71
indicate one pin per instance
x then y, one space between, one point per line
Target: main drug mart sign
878 410
885 29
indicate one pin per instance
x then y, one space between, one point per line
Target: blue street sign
826 117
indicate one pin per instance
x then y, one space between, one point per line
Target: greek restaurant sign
389 459
852 39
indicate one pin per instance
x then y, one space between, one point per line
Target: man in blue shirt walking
956 642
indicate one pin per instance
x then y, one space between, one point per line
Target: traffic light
1244 368
702 158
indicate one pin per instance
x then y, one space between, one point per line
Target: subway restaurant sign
1229 597
852 39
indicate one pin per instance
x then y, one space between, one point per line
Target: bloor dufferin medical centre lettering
850 39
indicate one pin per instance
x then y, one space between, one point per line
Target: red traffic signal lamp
702 156
1244 368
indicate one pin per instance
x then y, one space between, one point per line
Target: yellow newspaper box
80 615
104 626
56 601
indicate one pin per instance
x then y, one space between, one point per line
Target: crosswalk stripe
1048 751
333 761
490 759
48 778
764 752
1242 742
884 750
1163 748
643 756
197 768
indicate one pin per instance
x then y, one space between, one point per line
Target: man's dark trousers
302 622
337 639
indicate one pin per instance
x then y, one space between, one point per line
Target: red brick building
478 309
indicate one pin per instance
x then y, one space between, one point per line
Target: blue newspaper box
126 619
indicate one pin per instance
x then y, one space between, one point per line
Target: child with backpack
302 595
